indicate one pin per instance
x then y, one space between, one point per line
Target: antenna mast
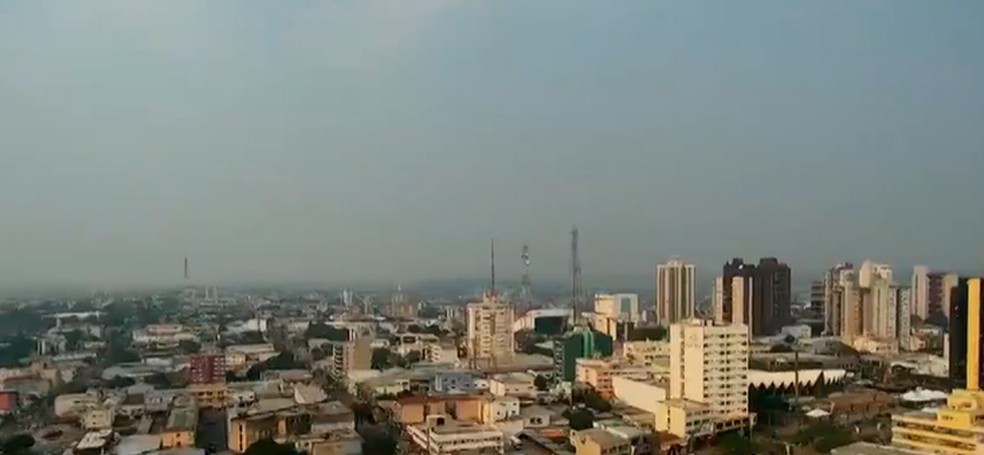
492 253
576 286
527 285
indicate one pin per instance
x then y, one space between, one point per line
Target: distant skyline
388 141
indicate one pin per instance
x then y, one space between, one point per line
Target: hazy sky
389 140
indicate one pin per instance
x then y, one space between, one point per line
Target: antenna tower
492 254
186 269
527 286
576 287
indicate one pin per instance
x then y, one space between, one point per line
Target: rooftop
182 419
867 448
603 438
94 440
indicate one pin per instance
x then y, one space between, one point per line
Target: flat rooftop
182 419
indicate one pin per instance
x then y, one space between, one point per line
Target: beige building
596 441
352 355
709 366
676 291
440 434
490 335
621 307
920 291
513 385
598 373
647 352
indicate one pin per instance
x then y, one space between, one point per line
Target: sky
336 141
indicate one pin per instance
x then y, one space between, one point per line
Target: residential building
213 396
645 352
453 381
957 428
579 343
736 268
772 297
182 423
208 368
871 270
243 356
920 291
490 335
598 374
709 365
742 301
621 307
497 409
964 332
440 434
676 291
717 300
513 384
400 307
351 355
595 441
440 353
98 418
834 282
8 402
162 334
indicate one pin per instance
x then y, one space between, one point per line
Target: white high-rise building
490 334
709 365
676 289
717 299
622 307
880 308
920 291
871 270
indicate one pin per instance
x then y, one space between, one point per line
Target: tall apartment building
833 312
622 307
966 320
956 428
709 366
353 354
758 296
941 287
871 270
920 291
879 309
490 335
847 300
208 368
676 289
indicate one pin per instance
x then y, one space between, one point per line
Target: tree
410 359
429 312
119 382
381 359
781 348
17 444
319 330
734 443
647 333
318 354
541 383
189 346
581 419
593 400
283 361
270 447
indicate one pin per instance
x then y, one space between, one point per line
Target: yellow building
598 374
209 395
180 430
595 441
958 428
647 352
247 429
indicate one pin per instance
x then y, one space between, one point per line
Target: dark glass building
771 293
579 343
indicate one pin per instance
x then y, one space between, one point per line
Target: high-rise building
581 342
772 298
490 335
847 299
736 268
353 354
742 300
833 310
623 307
956 428
817 294
871 270
709 365
920 291
950 283
966 320
717 299
208 368
879 309
676 289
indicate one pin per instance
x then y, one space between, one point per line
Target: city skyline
332 142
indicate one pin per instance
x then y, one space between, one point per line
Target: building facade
920 291
209 368
579 343
490 334
676 289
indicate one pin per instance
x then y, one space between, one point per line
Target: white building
920 291
709 365
871 270
166 334
513 384
490 324
442 435
528 321
621 307
244 355
675 291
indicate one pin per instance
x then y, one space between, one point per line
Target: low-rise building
182 423
71 405
598 374
440 434
162 334
497 409
600 442
513 384
645 352
98 418
242 356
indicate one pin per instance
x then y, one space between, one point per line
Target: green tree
734 443
189 346
644 333
581 419
381 359
541 383
17 444
270 447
